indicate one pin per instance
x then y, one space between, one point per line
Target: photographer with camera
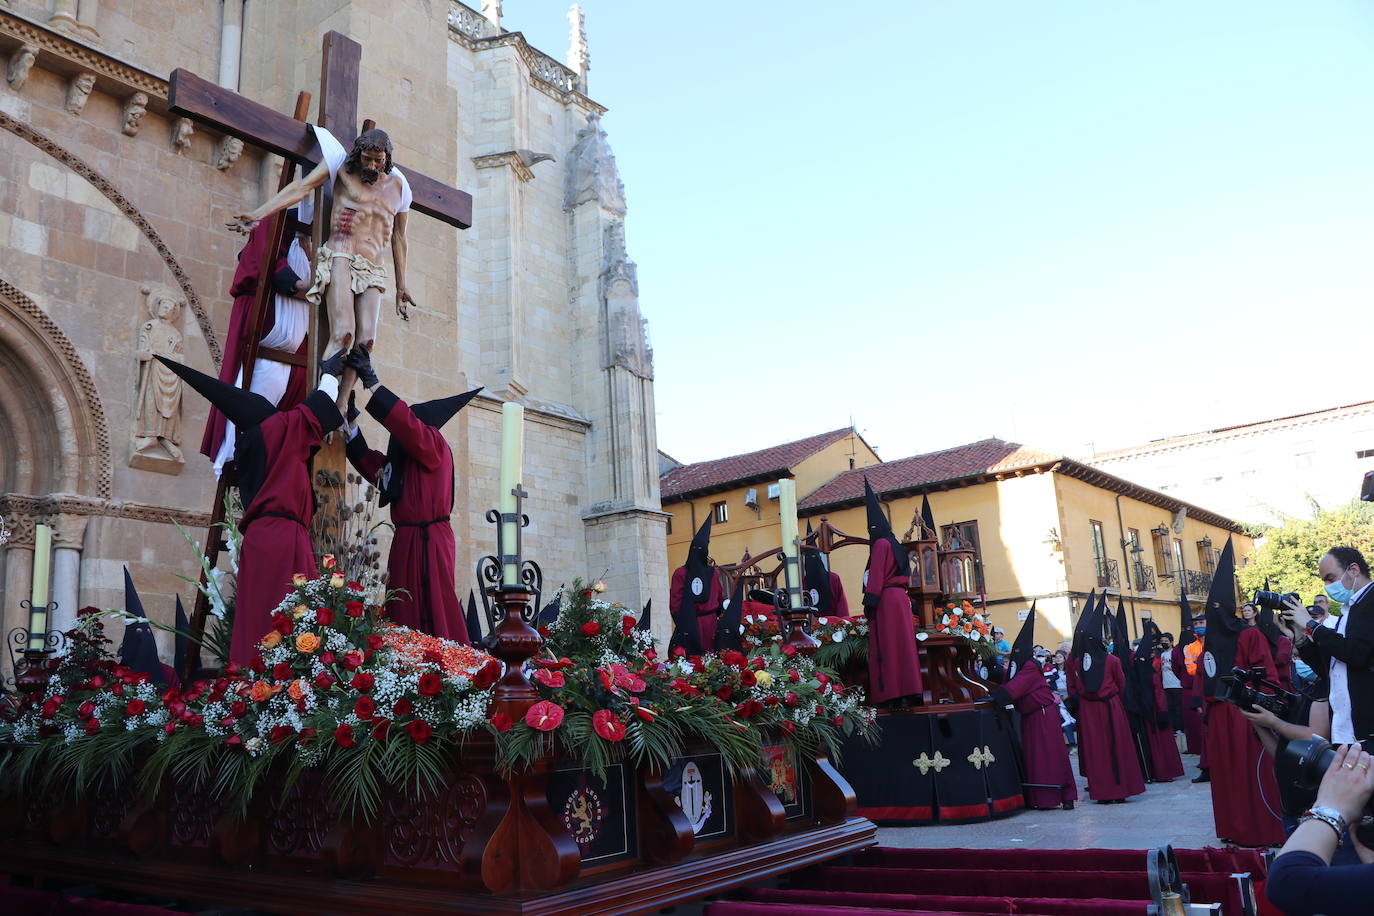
1301 881
1344 652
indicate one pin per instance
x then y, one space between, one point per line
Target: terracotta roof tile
988 455
722 472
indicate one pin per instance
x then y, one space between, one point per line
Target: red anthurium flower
431 684
344 735
380 729
501 722
608 725
544 716
645 713
550 678
419 731
606 680
403 707
591 628
136 708
324 616
364 708
92 726
362 682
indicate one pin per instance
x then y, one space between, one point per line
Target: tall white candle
38 598
787 509
512 460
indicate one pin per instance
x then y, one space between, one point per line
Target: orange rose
297 689
261 692
299 611
271 640
307 643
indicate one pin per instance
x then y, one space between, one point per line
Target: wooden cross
228 112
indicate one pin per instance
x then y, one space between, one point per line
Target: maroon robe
1049 775
1104 736
1192 696
276 523
1165 760
839 604
894 669
1283 662
708 605
244 289
1235 756
423 552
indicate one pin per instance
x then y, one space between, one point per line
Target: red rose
280 733
355 586
306 736
238 708
678 652
608 725
233 669
587 593
365 707
282 671
501 722
591 628
118 689
724 693
354 608
234 741
430 684
374 641
544 716
839 721
550 678
747 678
86 710
403 707
362 682
324 679
823 678
433 656
344 735
327 658
170 728
419 731
353 660
627 625
487 675
283 623
92 726
758 663
770 701
837 689
136 708
543 630
794 676
789 651
790 699
788 727
650 654
820 710
380 729
324 616
732 658
96 682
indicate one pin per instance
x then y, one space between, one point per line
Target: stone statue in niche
21 62
135 107
156 440
228 152
78 92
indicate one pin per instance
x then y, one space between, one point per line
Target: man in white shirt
1347 649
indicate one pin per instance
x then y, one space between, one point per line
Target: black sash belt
285 515
426 610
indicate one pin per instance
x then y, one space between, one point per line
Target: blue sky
1059 222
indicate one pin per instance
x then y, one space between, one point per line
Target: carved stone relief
79 92
21 62
135 107
592 172
156 441
228 152
182 128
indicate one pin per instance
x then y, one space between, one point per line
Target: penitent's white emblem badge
865 578
385 480
815 598
1087 662
1209 664
693 798
697 586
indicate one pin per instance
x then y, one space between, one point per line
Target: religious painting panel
788 780
701 787
599 812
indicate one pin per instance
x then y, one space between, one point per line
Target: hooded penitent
1140 673
1185 616
1080 628
474 622
1092 657
1223 626
432 413
880 528
645 621
138 652
816 582
696 588
1024 646
727 635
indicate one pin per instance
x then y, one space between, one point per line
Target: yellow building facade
1047 529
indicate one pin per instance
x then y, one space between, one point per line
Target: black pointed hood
1091 651
138 651
1024 645
816 582
1140 673
700 573
727 635
1081 628
880 529
1223 626
183 641
927 517
473 621
433 413
1121 635
1185 625
245 409
645 620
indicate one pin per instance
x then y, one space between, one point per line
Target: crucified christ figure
371 205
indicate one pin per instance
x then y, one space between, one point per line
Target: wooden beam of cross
225 110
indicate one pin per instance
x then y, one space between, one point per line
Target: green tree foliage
1289 554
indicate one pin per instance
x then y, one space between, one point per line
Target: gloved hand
335 364
1196 702
353 412
361 361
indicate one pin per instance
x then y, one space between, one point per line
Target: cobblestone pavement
1178 813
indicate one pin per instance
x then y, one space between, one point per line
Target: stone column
86 13
230 43
63 14
68 538
18 582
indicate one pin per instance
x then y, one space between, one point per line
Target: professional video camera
1299 767
1248 689
1274 601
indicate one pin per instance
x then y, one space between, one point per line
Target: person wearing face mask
1345 650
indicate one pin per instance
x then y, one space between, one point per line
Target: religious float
358 766
954 756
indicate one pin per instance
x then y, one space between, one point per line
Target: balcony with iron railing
1108 573
1145 579
1199 583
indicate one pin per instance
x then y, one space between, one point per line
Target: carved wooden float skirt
551 839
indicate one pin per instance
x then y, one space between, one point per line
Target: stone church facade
112 249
